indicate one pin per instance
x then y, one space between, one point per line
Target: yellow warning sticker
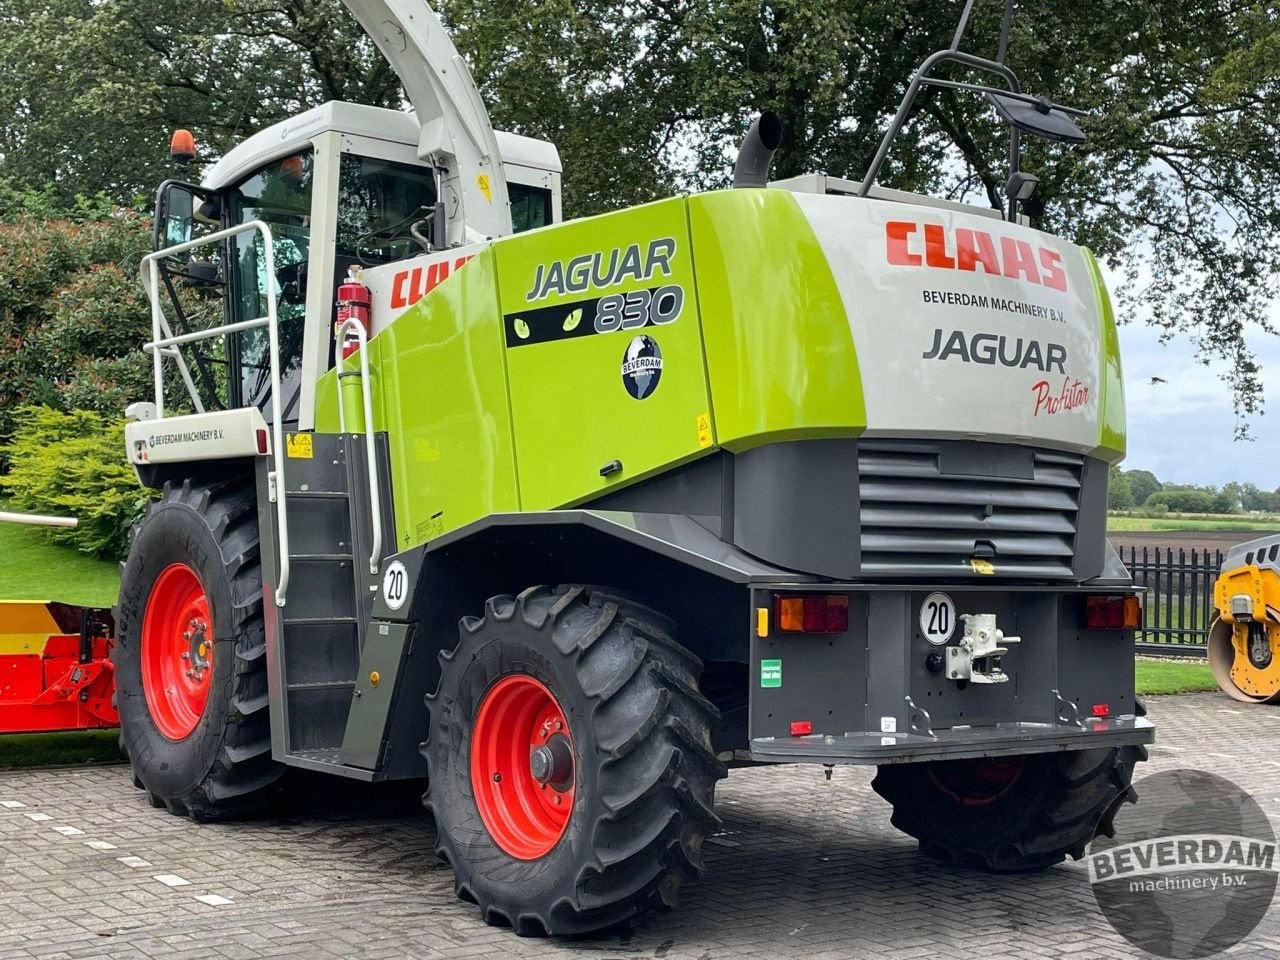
984 567
482 181
298 446
704 430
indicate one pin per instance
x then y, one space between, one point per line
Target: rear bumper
957 743
882 692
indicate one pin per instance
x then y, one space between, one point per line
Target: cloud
1183 430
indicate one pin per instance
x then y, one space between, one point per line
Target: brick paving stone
804 868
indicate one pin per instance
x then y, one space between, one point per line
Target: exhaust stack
756 153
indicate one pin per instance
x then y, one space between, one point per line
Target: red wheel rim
523 769
177 651
977 783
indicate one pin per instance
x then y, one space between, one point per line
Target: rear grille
925 512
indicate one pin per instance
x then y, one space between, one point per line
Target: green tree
1182 500
1175 186
1119 491
1143 483
73 316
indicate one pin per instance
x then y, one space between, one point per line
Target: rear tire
1013 814
635 763
201 747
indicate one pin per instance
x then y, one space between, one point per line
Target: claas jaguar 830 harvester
567 518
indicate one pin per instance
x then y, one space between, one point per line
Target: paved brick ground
805 869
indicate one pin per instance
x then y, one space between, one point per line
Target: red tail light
813 613
1113 613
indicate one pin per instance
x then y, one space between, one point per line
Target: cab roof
378 123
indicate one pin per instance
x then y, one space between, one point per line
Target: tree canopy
1177 186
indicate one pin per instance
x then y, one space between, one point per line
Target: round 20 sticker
395 585
937 618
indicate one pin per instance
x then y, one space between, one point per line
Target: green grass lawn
31 569
1152 524
1173 676
56 749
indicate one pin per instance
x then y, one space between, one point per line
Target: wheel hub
552 763
523 768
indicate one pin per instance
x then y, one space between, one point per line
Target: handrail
35 520
371 452
900 118
164 344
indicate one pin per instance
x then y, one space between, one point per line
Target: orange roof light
292 169
182 146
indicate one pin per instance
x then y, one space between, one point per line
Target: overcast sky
1182 430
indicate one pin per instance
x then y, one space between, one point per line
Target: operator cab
340 186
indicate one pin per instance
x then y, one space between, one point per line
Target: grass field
1155 677
1153 524
31 569
57 749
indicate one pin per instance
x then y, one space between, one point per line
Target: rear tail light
1113 613
813 613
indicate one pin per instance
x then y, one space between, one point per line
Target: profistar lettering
910 244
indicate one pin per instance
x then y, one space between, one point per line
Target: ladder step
316 621
317 494
324 685
321 557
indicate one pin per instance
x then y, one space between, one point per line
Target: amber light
813 613
182 146
1113 613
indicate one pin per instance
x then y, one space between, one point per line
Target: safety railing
371 454
164 344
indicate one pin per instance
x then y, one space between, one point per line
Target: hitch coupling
982 648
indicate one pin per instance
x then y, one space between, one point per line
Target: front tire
190 654
631 764
1010 814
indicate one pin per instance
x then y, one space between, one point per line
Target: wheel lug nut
497 778
186 656
556 799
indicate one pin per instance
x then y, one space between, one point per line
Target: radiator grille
918 520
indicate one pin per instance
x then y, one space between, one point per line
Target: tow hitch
980 653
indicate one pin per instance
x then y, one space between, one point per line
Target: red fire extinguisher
353 304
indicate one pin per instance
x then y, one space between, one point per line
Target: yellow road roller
1244 639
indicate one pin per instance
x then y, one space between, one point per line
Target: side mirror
177 215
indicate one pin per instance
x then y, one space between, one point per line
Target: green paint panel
780 356
440 392
571 409
1111 439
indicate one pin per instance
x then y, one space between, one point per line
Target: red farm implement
55 664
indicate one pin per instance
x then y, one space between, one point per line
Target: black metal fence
1179 604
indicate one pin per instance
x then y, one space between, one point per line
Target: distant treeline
1141 490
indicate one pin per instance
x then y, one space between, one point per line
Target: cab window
380 202
530 207
280 196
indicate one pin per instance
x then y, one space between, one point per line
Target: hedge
73 464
